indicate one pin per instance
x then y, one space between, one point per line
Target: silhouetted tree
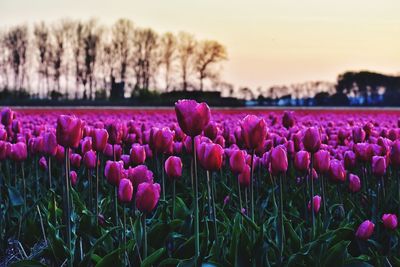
208 53
168 46
186 48
123 32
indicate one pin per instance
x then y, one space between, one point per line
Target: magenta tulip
73 178
237 161
302 161
390 221
99 139
378 166
192 116
253 131
113 172
317 203
173 167
365 230
137 154
140 174
244 176
354 183
279 162
125 191
337 172
147 196
89 159
321 161
69 131
210 156
312 140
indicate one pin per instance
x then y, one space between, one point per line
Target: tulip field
196 186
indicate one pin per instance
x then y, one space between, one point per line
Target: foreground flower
99 139
73 178
254 131
279 162
321 161
237 161
137 154
312 140
354 183
390 221
173 167
147 196
125 191
365 230
69 131
378 166
192 116
302 160
210 156
317 203
113 172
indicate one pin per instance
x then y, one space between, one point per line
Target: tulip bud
317 203
192 116
147 196
86 145
7 115
365 230
279 162
244 176
173 167
210 156
75 160
349 160
99 139
161 140
237 161
73 178
302 161
364 151
337 172
137 155
49 144
211 130
69 131
354 183
125 191
288 119
253 131
113 172
312 140
321 161
43 164
390 221
378 166
19 152
115 132
395 154
89 159
358 135
140 174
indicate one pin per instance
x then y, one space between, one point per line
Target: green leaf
15 197
233 253
27 263
153 258
337 254
111 259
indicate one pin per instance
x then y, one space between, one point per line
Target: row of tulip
187 188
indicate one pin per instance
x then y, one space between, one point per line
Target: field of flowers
192 186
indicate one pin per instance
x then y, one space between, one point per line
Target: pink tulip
99 139
115 132
140 174
237 161
279 162
75 160
390 221
73 178
312 140
244 177
378 166
365 230
113 172
125 191
253 131
337 172
302 161
147 196
321 161
19 152
43 164
395 154
210 156
69 131
137 154
317 203
49 144
7 115
173 167
358 135
349 160
288 120
354 183
192 116
89 159
161 140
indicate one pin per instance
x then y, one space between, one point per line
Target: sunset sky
268 42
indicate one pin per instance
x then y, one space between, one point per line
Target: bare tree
16 41
145 57
122 41
77 48
208 53
168 47
3 62
186 48
42 41
91 39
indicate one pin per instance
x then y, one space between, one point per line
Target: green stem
68 212
196 205
145 236
209 195
36 177
311 199
252 186
90 191
23 184
96 203
281 218
240 195
124 233
214 216
173 198
163 176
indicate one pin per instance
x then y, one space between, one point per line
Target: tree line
80 59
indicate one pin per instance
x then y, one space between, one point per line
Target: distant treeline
71 59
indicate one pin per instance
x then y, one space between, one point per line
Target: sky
269 42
